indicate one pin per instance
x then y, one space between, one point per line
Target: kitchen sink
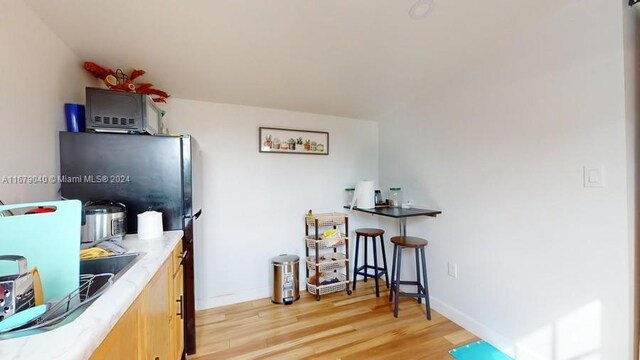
116 265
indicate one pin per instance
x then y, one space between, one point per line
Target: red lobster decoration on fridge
118 80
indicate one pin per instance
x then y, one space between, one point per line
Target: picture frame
293 141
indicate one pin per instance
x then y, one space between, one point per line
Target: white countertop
79 338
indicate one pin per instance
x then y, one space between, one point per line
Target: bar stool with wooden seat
418 244
364 269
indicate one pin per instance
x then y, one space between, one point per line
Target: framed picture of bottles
291 141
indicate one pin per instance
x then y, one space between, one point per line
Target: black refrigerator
143 172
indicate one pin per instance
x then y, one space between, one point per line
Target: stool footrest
407 282
412 295
421 290
362 270
378 275
371 267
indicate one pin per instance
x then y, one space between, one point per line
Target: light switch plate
594 176
452 269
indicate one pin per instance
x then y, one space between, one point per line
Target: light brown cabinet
177 321
123 340
156 313
177 304
152 327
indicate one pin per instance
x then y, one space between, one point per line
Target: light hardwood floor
338 326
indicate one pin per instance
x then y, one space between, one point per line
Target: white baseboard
232 298
480 330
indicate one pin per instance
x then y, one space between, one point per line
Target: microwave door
154 118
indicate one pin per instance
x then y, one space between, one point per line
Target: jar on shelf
348 196
395 197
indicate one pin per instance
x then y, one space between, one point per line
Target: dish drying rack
60 309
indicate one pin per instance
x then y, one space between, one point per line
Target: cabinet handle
180 312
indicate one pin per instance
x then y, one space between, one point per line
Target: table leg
403 226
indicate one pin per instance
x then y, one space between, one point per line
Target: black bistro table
399 213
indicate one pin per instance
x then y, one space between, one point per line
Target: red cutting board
49 241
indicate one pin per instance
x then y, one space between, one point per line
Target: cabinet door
178 315
158 314
177 257
120 344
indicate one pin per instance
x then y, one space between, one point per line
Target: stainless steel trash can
286 286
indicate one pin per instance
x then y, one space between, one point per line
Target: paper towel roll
364 196
150 225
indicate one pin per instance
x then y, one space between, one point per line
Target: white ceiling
353 58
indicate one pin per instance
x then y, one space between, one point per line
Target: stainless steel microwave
121 112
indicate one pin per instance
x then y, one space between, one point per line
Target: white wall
38 74
631 22
254 203
543 263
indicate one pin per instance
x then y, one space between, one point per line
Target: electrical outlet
594 176
452 269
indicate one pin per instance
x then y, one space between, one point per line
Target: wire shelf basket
91 287
325 243
326 219
339 285
328 262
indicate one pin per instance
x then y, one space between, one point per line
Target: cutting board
50 241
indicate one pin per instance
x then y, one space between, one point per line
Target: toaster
16 290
